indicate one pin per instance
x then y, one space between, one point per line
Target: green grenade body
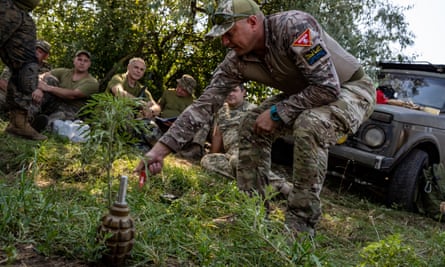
121 226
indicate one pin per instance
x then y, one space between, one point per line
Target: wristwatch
274 114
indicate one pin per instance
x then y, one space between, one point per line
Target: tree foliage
169 34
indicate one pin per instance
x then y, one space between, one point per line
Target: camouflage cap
228 12
187 82
44 45
85 52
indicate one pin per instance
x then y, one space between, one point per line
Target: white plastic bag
76 131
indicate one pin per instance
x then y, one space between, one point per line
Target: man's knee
316 125
51 80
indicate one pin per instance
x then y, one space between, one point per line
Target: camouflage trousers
225 165
17 51
313 131
54 107
220 163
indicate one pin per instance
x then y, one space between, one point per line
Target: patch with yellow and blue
314 54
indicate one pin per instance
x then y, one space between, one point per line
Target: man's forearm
3 84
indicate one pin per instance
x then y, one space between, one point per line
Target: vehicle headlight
374 137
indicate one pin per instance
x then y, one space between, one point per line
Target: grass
52 199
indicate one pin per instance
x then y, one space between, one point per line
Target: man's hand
264 124
37 96
153 159
150 110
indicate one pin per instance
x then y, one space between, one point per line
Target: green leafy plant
389 252
113 131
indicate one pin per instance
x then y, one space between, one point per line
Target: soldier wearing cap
325 94
173 102
17 51
62 91
42 53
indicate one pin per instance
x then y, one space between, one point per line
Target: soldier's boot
19 125
40 122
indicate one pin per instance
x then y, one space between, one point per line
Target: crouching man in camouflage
325 95
17 51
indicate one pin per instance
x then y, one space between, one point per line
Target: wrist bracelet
274 114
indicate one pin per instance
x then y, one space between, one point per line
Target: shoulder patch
303 39
314 54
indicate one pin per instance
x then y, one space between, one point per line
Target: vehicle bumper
366 159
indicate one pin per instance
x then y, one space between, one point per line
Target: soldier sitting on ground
127 85
173 102
62 92
223 156
42 53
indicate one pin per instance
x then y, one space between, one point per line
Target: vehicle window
424 91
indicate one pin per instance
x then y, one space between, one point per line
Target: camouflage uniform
17 51
325 94
228 120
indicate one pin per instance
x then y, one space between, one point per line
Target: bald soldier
325 94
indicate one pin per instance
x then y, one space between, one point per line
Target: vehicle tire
403 187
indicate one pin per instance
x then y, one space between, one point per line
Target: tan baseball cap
187 82
85 52
44 45
228 12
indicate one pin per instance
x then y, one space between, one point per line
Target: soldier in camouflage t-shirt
223 156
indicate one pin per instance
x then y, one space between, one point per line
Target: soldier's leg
254 159
314 132
218 163
18 38
19 100
309 168
10 21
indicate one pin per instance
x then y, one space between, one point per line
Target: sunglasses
222 18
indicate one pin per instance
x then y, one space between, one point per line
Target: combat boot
40 122
19 125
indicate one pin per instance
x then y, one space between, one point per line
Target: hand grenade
121 226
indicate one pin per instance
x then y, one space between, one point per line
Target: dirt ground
28 256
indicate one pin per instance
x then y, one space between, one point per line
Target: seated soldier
62 92
223 156
173 102
42 53
127 85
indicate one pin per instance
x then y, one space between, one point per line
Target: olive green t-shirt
135 91
173 105
88 85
